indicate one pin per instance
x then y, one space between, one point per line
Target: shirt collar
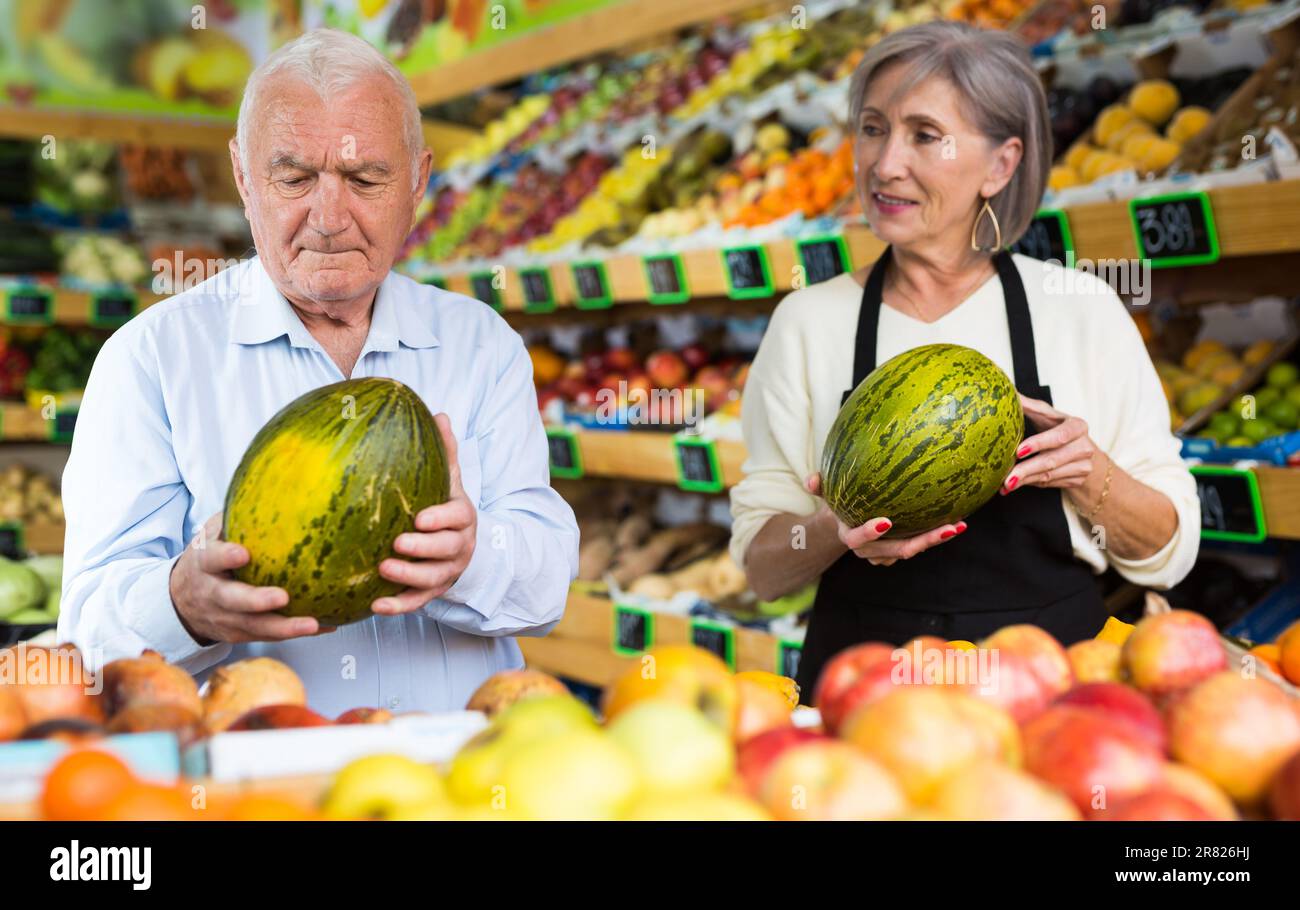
263 314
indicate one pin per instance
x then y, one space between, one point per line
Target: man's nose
329 206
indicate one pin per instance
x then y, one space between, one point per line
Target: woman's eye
926 138
870 129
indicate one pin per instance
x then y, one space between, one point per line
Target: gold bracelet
1105 490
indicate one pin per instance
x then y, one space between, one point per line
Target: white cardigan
1089 353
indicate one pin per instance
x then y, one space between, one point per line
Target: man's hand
440 548
215 607
865 541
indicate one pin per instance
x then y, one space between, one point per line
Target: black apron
1013 564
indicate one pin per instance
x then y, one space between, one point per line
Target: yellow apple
379 786
677 749
577 776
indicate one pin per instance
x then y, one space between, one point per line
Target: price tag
592 285
1048 238
29 304
1231 508
538 296
787 658
1177 229
823 258
748 272
112 307
667 279
64 422
715 637
11 540
565 455
634 630
481 285
697 465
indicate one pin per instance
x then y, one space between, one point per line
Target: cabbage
50 568
20 588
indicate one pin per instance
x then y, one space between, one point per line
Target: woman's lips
890 205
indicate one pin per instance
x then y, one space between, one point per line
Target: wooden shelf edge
647 456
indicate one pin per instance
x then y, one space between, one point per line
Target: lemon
1187 123
1154 100
1062 177
1109 120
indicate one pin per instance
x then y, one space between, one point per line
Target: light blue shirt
176 396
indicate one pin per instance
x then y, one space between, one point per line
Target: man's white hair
330 61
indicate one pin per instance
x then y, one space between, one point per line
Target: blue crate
1281 450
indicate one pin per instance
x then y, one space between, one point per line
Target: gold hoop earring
997 230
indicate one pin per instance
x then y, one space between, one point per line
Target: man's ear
1006 158
237 169
425 166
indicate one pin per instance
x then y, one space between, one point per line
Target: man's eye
360 182
295 181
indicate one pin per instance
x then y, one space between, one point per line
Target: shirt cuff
466 589
151 613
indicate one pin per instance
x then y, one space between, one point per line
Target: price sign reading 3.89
1174 230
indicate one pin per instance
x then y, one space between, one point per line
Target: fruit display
345 435
1210 371
60 361
28 496
78 178
100 259
875 461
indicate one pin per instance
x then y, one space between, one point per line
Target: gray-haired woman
951 155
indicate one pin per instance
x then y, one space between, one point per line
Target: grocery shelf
20 423
580 647
1252 220
647 456
74 306
582 36
1279 489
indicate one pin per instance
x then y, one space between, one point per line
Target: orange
1268 654
82 784
1289 653
266 807
144 802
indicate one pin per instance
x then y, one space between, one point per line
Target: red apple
278 717
622 359
694 356
1011 683
1195 786
840 673
755 755
1047 659
666 370
1172 651
364 716
1094 660
1284 794
990 791
1122 704
716 386
830 781
1158 806
1095 762
1238 732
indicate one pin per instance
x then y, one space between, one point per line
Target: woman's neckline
975 292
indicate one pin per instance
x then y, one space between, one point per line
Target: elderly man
329 160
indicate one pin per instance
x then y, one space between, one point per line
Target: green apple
1265 396
1283 374
1284 413
582 775
380 786
1224 424
31 616
544 715
1258 429
677 748
1293 395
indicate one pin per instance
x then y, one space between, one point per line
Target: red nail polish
1011 484
947 535
883 526
961 527
1023 451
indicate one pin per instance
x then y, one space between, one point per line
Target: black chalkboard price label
538 294
64 422
823 258
697 465
787 658
592 285
667 279
480 284
27 304
565 454
1175 229
749 275
634 630
112 307
1231 508
715 637
1048 238
12 545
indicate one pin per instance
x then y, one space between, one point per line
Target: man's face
329 191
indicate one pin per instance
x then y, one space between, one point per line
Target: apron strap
864 351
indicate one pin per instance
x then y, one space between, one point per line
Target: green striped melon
926 439
325 488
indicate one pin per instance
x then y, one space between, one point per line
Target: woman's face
923 170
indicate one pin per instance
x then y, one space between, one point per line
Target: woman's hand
1061 456
865 541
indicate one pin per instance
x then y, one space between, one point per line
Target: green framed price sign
539 296
749 274
698 469
715 637
788 654
565 453
12 540
666 279
113 307
823 258
591 282
634 630
64 422
1175 229
27 304
1231 507
483 288
1048 238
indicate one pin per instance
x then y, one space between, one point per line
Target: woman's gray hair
1004 96
331 61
